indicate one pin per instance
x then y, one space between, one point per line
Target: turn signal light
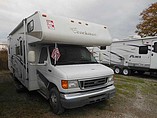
64 84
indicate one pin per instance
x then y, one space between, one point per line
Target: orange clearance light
44 15
64 84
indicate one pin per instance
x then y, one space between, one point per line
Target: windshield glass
70 54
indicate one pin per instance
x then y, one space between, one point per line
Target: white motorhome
129 55
49 54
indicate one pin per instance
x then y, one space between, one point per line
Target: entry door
153 64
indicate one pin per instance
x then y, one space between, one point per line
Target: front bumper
82 98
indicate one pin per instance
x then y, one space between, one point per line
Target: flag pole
55 54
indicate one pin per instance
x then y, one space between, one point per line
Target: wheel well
126 67
116 66
51 85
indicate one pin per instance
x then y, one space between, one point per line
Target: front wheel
55 101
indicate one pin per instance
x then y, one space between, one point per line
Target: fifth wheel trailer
49 55
129 55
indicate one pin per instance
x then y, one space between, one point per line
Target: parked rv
49 55
129 56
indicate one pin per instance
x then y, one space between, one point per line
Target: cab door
153 64
42 70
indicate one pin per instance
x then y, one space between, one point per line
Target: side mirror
31 56
103 48
42 64
45 63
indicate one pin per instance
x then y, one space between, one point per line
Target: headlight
110 78
69 84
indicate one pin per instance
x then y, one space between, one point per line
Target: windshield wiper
85 61
68 62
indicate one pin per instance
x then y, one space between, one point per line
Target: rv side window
21 48
43 55
17 50
9 49
24 52
30 26
143 49
155 47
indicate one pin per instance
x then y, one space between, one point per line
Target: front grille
92 83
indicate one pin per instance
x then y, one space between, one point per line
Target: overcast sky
120 16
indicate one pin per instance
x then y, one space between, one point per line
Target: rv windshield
70 54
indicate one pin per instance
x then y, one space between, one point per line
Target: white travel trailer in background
129 55
49 54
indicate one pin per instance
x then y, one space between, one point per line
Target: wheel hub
125 71
54 99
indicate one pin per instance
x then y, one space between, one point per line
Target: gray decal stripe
121 58
43 78
20 60
126 50
105 54
112 61
134 45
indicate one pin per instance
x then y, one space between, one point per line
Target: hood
85 71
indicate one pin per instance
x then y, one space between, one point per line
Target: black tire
126 71
19 87
117 70
55 101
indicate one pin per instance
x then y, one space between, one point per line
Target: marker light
44 15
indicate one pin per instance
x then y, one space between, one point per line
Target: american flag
55 54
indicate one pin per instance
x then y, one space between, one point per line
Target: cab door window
43 55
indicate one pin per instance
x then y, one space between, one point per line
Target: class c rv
129 56
49 55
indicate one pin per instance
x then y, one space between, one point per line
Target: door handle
49 70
